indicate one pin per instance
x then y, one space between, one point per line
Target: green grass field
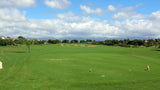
55 67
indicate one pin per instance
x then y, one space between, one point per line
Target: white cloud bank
17 3
58 4
70 26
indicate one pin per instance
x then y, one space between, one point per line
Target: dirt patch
76 45
88 46
83 45
91 46
62 45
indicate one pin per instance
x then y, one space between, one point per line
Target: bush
3 42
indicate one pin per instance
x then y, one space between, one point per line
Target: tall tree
159 43
28 44
156 42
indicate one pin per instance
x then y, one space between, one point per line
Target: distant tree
88 40
136 42
115 42
120 42
21 37
16 41
141 42
42 42
82 41
131 42
65 41
98 42
109 42
35 42
21 40
57 41
149 43
10 42
74 41
125 41
50 41
159 43
94 42
54 41
156 43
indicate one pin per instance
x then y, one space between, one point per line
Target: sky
80 19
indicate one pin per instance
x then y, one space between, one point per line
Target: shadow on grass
19 52
157 50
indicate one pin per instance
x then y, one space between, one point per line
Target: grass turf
67 67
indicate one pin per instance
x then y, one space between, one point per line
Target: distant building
45 42
9 38
146 41
2 37
89 42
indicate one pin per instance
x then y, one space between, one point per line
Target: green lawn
55 67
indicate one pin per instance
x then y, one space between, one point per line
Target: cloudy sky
80 19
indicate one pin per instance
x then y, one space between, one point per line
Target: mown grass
55 67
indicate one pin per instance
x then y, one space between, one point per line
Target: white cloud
127 13
12 14
80 27
111 8
58 4
71 17
155 16
127 9
17 3
88 10
117 13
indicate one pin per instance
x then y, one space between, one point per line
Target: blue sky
80 19
41 11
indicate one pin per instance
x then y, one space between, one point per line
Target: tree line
122 43
20 41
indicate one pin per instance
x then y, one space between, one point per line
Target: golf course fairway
69 67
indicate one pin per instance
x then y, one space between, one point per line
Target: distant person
148 68
90 70
1 65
